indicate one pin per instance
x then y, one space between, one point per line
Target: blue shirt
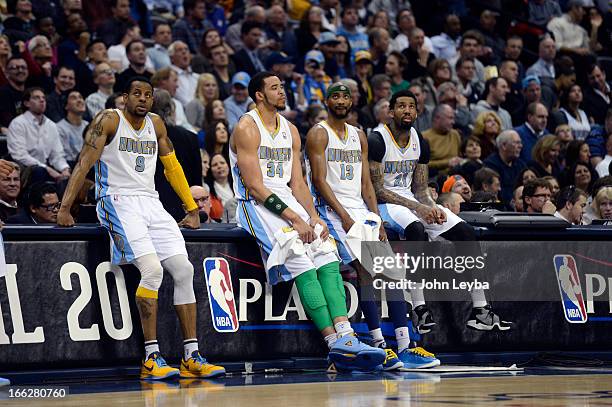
529 140
357 40
508 174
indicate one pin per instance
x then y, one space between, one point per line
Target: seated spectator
5 55
405 24
602 203
190 29
11 94
444 141
110 30
363 72
206 91
533 129
167 79
570 37
525 176
573 115
554 186
603 168
316 80
181 64
202 62
487 180
117 54
41 205
494 44
565 74
39 56
466 72
280 64
220 183
71 129
65 81
445 45
597 136
424 112
201 196
115 101
458 184
351 30
279 34
536 197
205 157
222 70
33 140
494 95
137 56
248 59
470 46
217 139
449 94
582 175
597 95
542 11
507 163
534 92
417 55
313 115
487 127
379 47
309 30
433 189
451 201
577 151
19 26
484 197
381 89
381 112
104 77
253 13
544 67
565 137
517 199
471 161
394 68
237 104
10 186
438 73
343 57
546 157
158 53
515 101
513 51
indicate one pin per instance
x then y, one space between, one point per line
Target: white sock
343 328
190 346
378 340
403 339
478 298
417 297
330 340
150 347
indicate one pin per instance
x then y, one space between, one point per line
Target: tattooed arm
103 128
420 188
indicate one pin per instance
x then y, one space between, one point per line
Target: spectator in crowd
494 44
349 28
215 15
507 163
546 157
544 67
597 136
72 128
517 199
328 45
96 53
137 56
487 127
603 168
565 137
12 93
316 80
542 11
417 55
19 26
158 53
255 14
190 29
202 62
566 74
381 89
281 65
309 31
448 93
466 72
115 101
438 73
201 196
167 79
247 59
471 161
515 101
577 151
65 81
424 112
445 45
206 91
10 186
111 29
117 54
39 56
104 78
533 129
513 51
570 37
5 55
597 95
220 183
582 175
33 140
602 204
495 93
469 47
41 205
394 68
534 92
381 112
217 138
537 197
205 157
451 200
363 72
343 57
72 51
330 17
488 180
237 104
222 70
554 186
280 38
573 114
444 141
525 176
458 184
406 22
379 47
187 152
180 57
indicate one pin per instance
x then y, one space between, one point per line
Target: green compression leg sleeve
313 300
333 289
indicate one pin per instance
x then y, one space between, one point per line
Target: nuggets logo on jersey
570 289
220 295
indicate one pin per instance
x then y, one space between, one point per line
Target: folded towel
366 231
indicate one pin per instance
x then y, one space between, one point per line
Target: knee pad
181 270
415 232
151 276
331 280
313 299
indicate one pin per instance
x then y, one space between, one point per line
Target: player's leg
193 363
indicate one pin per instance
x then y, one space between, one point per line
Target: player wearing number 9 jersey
124 145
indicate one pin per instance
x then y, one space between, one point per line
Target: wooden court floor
377 391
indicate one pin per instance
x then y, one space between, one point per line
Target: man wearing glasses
536 197
12 93
42 205
201 196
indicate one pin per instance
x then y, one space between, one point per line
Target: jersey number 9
140 164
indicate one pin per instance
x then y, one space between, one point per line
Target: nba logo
220 294
570 289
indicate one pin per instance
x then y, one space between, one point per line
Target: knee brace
313 299
181 270
415 232
333 289
151 276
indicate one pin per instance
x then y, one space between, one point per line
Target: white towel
366 231
287 244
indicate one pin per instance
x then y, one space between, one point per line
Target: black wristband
274 204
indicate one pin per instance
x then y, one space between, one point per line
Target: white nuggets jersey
127 164
344 166
275 155
399 163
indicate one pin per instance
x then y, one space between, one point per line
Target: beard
278 105
339 116
402 125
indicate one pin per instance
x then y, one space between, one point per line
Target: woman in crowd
554 185
220 182
310 29
205 164
343 57
471 161
581 175
486 129
5 55
524 177
577 151
439 72
601 207
217 137
575 117
545 156
380 20
207 91
201 62
563 132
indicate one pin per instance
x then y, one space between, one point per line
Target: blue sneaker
350 354
391 362
418 358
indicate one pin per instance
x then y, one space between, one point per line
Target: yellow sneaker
156 368
197 366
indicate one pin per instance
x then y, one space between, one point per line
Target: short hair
445 197
131 44
189 5
530 187
504 137
172 47
463 60
56 70
159 24
605 193
94 42
484 176
569 194
350 6
377 80
35 193
514 37
378 106
444 87
375 34
128 86
348 82
400 94
483 196
532 107
162 74
257 83
473 35
464 143
491 82
439 109
247 26
400 12
436 64
163 105
401 59
110 102
27 94
543 145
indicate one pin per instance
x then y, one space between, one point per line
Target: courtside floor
531 387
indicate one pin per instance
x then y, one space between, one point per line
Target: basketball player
124 145
273 201
398 158
345 197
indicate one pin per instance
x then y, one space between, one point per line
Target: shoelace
422 352
161 362
390 354
199 358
